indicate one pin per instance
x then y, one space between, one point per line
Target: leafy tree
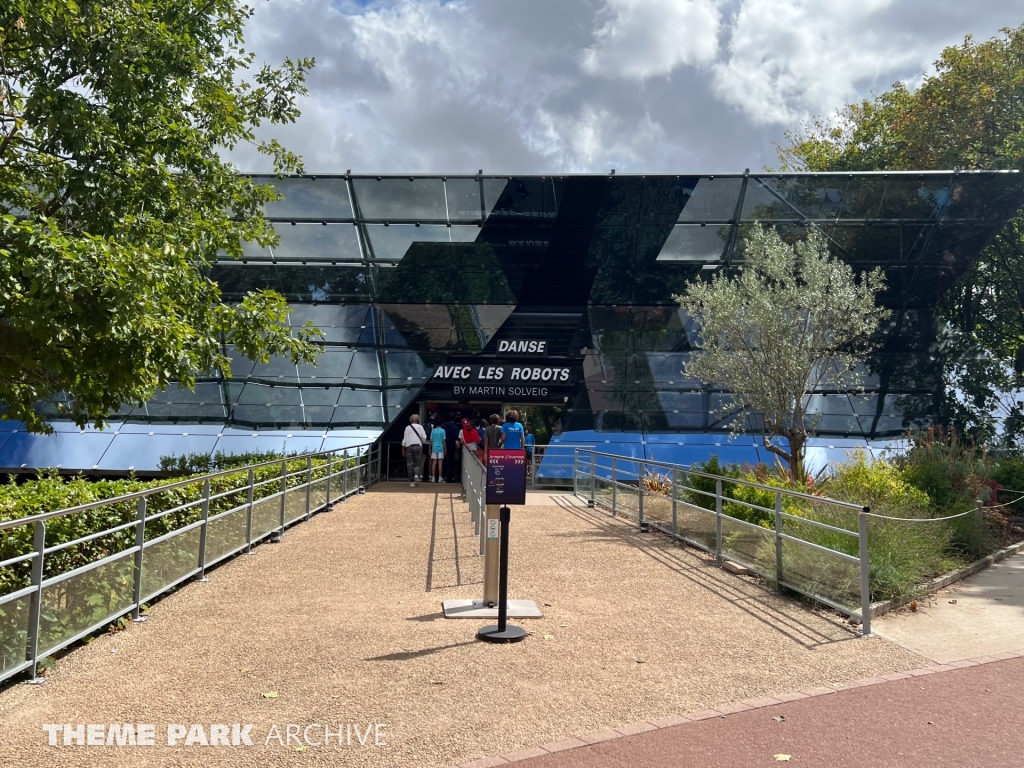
115 199
969 113
792 321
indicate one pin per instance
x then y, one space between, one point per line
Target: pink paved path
971 716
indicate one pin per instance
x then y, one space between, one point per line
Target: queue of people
437 447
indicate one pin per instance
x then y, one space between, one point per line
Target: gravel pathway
342 621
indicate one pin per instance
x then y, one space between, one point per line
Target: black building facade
483 291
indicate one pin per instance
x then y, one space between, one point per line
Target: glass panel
319 396
13 632
70 450
316 242
338 323
400 199
464 203
225 535
391 243
332 367
813 197
295 503
145 452
266 395
318 494
493 190
168 561
276 368
82 601
814 572
307 198
266 514
694 522
364 369
664 198
521 198
621 201
658 506
712 200
923 197
749 545
695 243
406 366
761 204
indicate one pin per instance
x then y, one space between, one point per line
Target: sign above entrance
513 347
503 373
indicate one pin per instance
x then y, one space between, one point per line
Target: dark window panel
712 200
464 200
391 243
664 198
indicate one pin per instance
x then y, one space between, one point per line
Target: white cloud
538 87
640 39
790 59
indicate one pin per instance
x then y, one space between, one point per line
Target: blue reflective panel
355 440
9 426
181 429
315 242
331 367
712 200
64 449
464 200
142 452
390 243
692 242
268 415
400 199
307 198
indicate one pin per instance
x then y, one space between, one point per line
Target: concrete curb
930 587
725 710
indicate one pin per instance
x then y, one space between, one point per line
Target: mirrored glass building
481 292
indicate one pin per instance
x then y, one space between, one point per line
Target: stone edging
726 709
930 587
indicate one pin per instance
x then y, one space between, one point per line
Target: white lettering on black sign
523 347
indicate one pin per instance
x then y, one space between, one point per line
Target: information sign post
506 485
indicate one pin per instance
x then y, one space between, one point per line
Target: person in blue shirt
512 432
437 453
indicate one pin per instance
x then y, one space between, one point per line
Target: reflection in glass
694 243
712 200
316 242
307 198
390 243
401 199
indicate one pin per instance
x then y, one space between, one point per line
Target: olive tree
115 199
792 321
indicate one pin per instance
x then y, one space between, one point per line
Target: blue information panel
506 477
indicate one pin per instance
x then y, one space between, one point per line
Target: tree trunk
797 449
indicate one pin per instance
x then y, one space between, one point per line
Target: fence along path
146 543
824 561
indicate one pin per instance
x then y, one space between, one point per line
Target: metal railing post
344 474
309 485
36 608
640 499
575 471
204 529
615 485
140 540
593 476
533 467
675 504
328 505
865 573
248 515
718 519
276 536
778 542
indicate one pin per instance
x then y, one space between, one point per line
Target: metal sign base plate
510 634
475 609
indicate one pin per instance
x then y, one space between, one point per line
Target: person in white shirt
412 448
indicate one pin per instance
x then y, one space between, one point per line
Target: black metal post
501 632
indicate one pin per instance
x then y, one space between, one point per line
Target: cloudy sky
545 86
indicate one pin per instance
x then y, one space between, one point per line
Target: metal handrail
7 524
737 481
135 555
594 473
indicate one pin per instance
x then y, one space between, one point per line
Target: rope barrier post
140 540
502 632
865 573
